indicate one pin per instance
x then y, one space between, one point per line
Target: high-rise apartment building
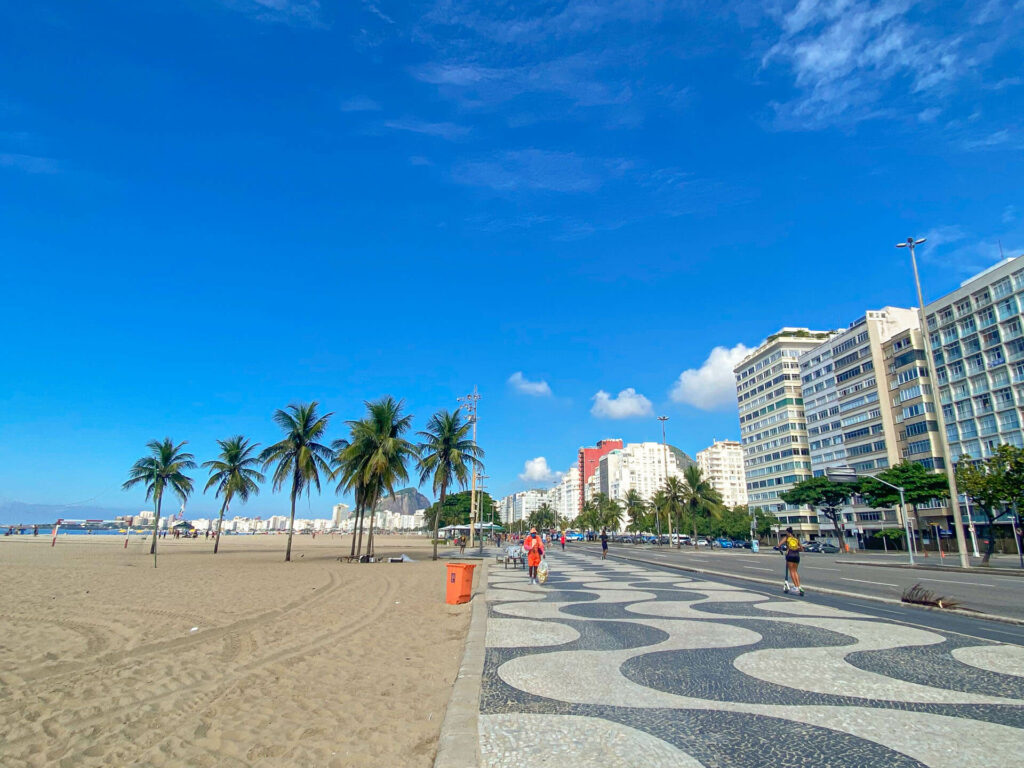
773 428
977 337
850 421
338 513
520 505
587 460
564 496
722 465
640 467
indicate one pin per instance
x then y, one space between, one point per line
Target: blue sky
212 208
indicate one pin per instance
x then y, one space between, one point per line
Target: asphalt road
983 590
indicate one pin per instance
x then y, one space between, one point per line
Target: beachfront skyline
216 209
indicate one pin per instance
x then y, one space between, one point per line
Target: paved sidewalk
616 664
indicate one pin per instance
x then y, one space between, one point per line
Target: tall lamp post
481 478
954 496
469 403
664 449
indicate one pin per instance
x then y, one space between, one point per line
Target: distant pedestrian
462 545
791 549
534 548
563 541
604 543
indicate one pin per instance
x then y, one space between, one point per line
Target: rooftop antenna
1000 249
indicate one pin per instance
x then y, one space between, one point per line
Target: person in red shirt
563 541
534 548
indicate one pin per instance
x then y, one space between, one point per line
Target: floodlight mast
940 420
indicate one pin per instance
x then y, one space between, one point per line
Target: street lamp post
480 514
954 496
849 475
664 448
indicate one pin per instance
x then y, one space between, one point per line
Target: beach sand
310 663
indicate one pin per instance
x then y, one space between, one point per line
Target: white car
702 542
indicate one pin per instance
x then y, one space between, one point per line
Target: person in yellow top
534 549
790 547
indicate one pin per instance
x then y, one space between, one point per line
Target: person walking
790 547
604 543
563 541
534 548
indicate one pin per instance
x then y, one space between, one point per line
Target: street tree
995 486
701 500
823 496
920 486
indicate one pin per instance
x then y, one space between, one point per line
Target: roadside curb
983 569
458 746
835 592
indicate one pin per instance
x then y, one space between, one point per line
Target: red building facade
587 460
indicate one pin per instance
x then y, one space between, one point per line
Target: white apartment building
976 334
722 465
640 467
773 428
850 421
521 504
564 496
339 512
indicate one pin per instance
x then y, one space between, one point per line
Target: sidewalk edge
458 746
835 592
974 569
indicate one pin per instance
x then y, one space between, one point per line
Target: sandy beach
238 659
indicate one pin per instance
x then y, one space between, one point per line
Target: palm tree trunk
359 543
437 518
156 528
220 524
694 516
291 530
359 509
369 537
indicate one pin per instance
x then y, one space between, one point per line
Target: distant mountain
405 501
682 460
18 512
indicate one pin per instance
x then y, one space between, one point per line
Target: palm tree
163 468
544 517
609 512
674 499
375 458
636 508
447 454
659 507
299 457
699 496
234 474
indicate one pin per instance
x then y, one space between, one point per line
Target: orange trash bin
459 585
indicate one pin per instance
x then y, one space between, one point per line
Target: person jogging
534 548
604 543
790 547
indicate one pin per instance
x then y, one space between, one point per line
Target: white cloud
1009 214
628 404
712 386
524 386
537 471
449 131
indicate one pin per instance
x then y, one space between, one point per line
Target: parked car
723 542
740 544
812 546
702 542
829 549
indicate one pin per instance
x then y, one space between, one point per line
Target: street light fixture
849 475
940 421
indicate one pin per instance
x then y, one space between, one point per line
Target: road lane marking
758 568
822 568
862 581
950 581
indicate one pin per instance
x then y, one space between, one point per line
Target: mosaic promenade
614 664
